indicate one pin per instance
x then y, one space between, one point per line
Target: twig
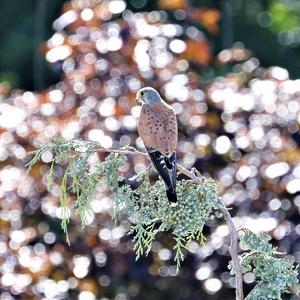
233 249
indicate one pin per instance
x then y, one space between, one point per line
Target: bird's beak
138 100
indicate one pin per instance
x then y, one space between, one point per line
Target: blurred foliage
273 23
241 127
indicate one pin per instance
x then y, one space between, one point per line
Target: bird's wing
172 130
157 127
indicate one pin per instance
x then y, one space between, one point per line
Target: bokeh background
229 69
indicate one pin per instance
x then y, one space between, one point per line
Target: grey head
148 95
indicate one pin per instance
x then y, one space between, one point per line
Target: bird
157 127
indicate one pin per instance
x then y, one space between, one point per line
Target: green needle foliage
146 207
149 211
275 275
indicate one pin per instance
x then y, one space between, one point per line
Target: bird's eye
142 93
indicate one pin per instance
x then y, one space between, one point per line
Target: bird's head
147 95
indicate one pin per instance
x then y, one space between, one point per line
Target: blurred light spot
36 264
285 204
56 96
70 130
182 65
163 271
177 46
107 107
259 224
176 89
135 111
73 282
172 271
212 285
6 113
202 139
55 258
49 288
81 266
274 204
180 14
134 84
105 234
138 3
169 30
100 258
281 231
118 232
112 124
87 14
249 277
125 140
49 237
279 73
293 186
296 171
114 44
222 230
243 173
225 56
47 109
62 286
264 19
58 53
90 58
116 6
286 37
203 272
129 122
104 280
222 144
196 121
276 142
277 169
79 87
242 142
256 133
164 254
17 236
95 135
8 279
106 141
85 295
64 20
57 39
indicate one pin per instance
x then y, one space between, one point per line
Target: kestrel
157 126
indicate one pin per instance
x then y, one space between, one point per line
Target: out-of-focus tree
256 23
242 129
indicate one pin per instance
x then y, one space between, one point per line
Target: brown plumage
157 127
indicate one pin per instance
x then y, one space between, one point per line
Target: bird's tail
172 196
166 168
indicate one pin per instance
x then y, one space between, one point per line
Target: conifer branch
146 206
